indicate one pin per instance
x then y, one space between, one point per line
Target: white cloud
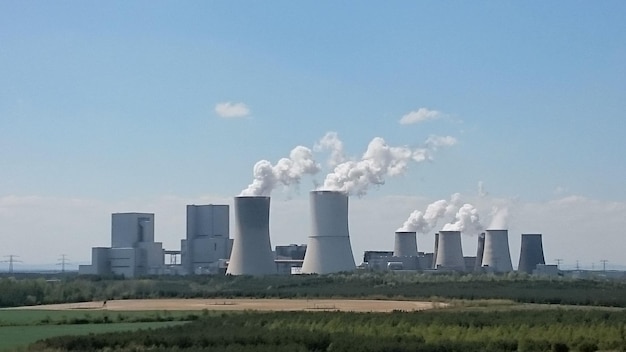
421 115
231 110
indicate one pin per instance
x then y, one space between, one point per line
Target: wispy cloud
231 110
420 115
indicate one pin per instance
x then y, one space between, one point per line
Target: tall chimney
328 249
497 256
252 250
450 251
405 244
531 253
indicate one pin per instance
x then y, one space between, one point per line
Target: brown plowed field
246 304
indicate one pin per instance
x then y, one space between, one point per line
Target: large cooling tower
497 256
531 253
434 263
449 251
480 251
252 251
405 244
328 249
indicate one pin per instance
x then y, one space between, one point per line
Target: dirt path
247 304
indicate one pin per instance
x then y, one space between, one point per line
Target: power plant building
531 253
496 256
207 245
133 251
252 249
328 249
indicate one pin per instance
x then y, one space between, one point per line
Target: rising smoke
424 222
331 142
467 221
286 172
378 161
499 218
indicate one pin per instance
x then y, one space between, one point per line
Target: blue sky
113 105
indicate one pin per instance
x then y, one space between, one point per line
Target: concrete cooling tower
480 251
405 244
449 251
531 253
252 251
328 249
496 255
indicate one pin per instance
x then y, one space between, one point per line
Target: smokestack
328 249
405 244
480 251
497 255
449 251
531 253
252 250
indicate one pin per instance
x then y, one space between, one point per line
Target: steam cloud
500 218
424 222
467 220
287 171
378 161
331 142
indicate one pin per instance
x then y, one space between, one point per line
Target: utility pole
577 266
604 261
62 261
558 262
11 261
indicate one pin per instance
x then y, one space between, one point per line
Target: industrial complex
209 249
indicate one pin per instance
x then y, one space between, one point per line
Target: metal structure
328 249
207 241
449 251
497 256
531 253
252 250
405 244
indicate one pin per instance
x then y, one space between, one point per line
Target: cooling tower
531 253
449 251
252 251
480 251
328 249
405 244
496 255
434 263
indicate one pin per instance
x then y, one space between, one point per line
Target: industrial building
207 245
133 251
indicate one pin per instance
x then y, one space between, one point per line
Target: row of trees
526 330
520 288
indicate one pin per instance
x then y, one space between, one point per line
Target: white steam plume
499 218
378 161
287 171
467 220
424 222
331 142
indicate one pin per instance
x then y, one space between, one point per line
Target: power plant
328 249
405 244
496 256
252 250
531 253
480 252
449 251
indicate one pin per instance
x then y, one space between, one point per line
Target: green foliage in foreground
516 287
15 336
557 330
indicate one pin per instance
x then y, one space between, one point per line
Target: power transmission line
62 262
11 261
604 261
558 262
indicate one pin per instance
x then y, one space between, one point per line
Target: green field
19 328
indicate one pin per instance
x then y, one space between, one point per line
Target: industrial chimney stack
328 248
497 256
531 253
252 250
